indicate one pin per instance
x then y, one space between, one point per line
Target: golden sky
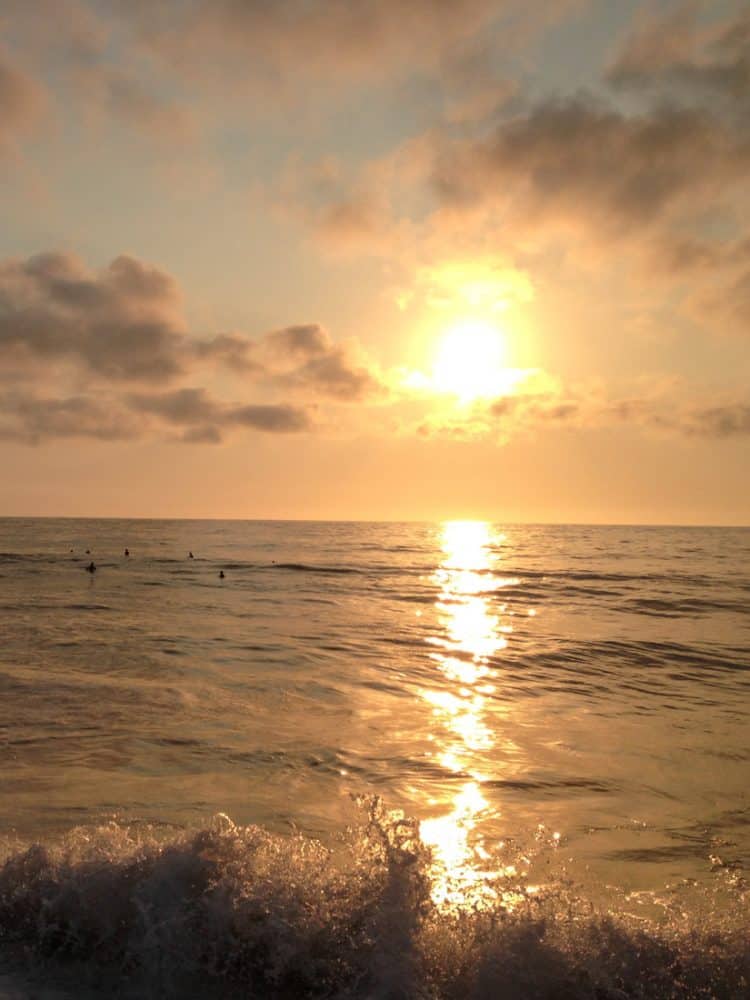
369 259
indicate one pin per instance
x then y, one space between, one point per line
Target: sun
470 361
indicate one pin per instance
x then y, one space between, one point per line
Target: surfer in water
91 568
127 552
190 555
221 574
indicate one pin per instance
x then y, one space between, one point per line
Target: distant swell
236 911
303 568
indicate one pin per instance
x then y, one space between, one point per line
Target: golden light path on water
462 871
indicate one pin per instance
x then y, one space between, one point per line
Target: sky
364 259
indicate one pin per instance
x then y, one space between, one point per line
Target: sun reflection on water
462 873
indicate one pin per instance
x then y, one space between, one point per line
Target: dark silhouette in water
127 552
221 574
91 568
190 555
88 552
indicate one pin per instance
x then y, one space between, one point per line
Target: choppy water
455 760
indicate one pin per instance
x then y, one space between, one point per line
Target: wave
683 606
575 654
305 568
134 910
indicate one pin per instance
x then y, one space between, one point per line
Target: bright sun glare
470 361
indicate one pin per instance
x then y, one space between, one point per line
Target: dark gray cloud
296 343
726 421
123 326
182 406
277 350
302 358
31 418
674 52
305 359
278 418
208 434
205 417
536 409
123 323
593 165
231 350
655 413
336 376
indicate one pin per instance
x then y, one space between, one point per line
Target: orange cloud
22 100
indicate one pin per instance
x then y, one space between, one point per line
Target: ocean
458 760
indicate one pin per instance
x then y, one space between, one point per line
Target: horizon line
353 520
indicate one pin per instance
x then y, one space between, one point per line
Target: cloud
125 323
582 408
591 165
273 49
274 46
233 351
183 406
122 323
519 413
21 102
206 417
720 421
483 282
278 419
724 302
30 418
109 92
55 30
352 218
111 337
93 66
653 185
345 209
202 435
336 375
304 358
674 52
296 343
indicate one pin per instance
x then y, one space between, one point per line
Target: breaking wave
135 910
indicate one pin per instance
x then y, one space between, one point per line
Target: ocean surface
456 760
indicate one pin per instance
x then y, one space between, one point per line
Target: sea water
378 760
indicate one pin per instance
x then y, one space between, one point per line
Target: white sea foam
236 911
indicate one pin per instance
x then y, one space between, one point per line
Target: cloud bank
119 334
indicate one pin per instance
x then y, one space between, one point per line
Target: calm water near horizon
449 760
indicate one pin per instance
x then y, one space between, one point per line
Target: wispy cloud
674 52
22 100
581 409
